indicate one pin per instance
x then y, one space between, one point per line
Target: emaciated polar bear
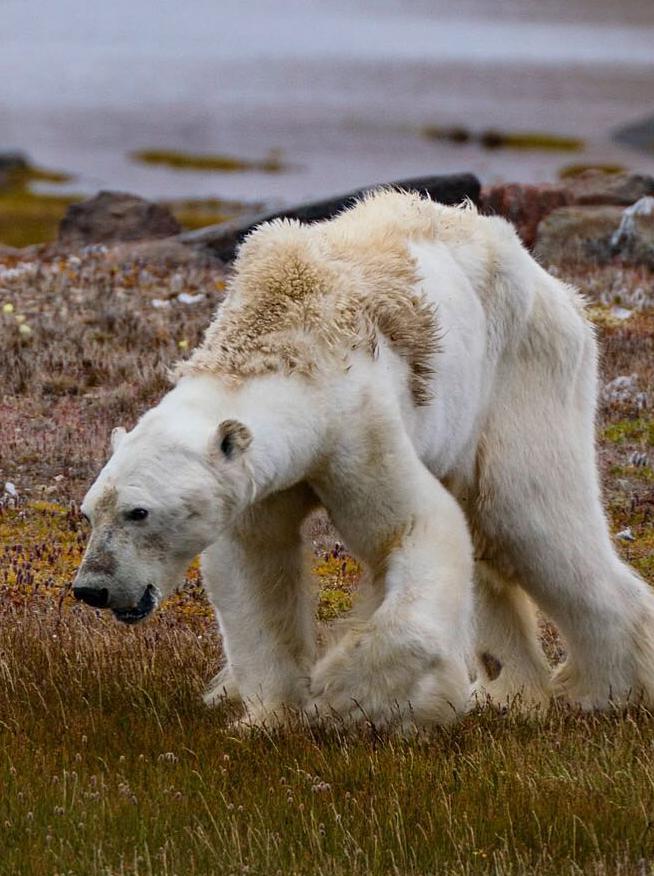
411 368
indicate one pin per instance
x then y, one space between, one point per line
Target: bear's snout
98 597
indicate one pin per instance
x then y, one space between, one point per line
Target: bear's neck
282 413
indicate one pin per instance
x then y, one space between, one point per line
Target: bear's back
302 295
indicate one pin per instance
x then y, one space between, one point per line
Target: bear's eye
137 514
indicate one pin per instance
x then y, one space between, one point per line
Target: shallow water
342 89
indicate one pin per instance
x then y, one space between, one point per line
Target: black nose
96 598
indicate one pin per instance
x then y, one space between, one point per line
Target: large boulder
527 206
523 205
114 216
223 240
596 235
593 188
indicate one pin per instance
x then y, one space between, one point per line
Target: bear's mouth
141 610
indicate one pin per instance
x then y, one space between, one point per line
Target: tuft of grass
222 163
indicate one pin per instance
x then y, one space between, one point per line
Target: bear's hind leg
539 503
512 666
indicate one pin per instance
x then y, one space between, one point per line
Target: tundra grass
109 762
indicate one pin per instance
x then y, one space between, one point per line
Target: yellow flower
8 307
25 330
183 344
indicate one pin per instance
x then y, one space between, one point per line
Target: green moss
222 163
27 217
20 177
530 140
570 171
638 431
492 139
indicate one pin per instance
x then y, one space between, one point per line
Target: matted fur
305 294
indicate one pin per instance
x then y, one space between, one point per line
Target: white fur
504 452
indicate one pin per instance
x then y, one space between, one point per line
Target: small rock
626 535
114 216
160 303
621 312
10 490
620 389
186 298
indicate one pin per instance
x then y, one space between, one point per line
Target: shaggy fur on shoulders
302 295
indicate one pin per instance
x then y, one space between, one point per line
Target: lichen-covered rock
592 235
594 188
526 206
114 216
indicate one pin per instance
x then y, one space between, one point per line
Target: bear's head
164 496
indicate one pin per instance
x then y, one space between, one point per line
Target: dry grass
109 762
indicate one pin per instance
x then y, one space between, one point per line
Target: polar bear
412 369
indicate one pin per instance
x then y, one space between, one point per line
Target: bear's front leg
408 663
256 578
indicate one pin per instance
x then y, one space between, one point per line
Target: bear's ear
232 438
117 436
